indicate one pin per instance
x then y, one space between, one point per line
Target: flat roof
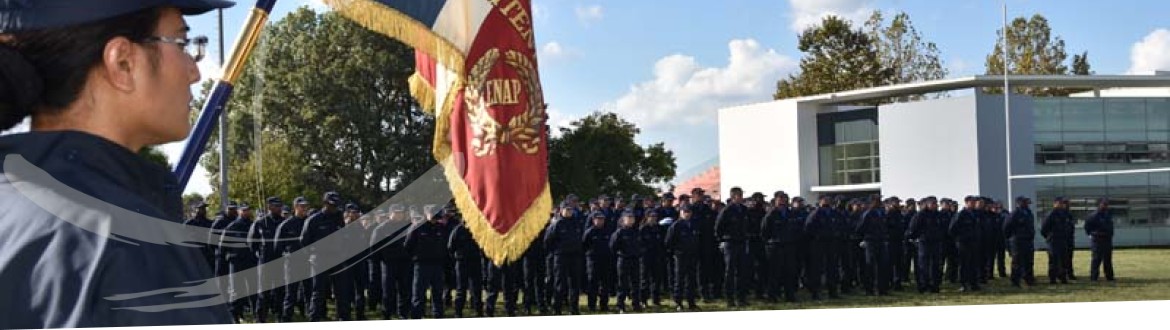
943 85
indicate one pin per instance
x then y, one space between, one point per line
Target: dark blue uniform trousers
468 282
877 259
600 285
685 278
1102 254
629 276
568 282
397 288
1023 261
928 269
428 276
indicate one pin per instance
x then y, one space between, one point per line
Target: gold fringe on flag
394 24
423 92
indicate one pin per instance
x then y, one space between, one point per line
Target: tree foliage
1033 50
323 106
839 57
903 50
598 155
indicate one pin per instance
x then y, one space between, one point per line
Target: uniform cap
27 15
300 200
274 201
668 195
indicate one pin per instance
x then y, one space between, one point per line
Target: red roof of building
708 180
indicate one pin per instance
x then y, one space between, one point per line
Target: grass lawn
1142 274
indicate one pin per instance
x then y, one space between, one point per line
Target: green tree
323 105
903 50
1032 50
1080 64
837 57
598 155
152 154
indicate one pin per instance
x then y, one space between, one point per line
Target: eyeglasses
196 48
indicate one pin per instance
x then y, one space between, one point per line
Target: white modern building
860 142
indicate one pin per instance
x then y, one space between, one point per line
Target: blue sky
669 65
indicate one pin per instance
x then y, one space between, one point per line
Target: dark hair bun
20 87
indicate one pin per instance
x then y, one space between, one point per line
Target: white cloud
558 120
539 12
590 13
810 12
1150 54
552 49
683 90
957 67
316 5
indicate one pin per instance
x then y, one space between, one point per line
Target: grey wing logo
113 222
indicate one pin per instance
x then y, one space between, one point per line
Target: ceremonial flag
476 72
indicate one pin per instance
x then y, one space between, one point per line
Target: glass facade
1105 134
848 147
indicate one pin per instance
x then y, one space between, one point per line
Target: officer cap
758 195
735 190
285 209
668 195
797 199
351 207
20 16
628 213
245 207
300 200
274 201
684 208
929 199
697 190
684 196
332 198
232 205
910 201
201 204
1021 199
596 215
970 198
571 197
565 203
779 193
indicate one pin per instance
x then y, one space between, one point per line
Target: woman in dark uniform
100 79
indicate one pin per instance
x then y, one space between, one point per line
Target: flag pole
221 92
223 156
1007 94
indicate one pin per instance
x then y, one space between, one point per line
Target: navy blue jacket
596 243
55 274
928 226
729 226
1020 225
1099 226
462 245
872 226
627 243
896 221
818 226
653 237
964 226
563 237
262 236
682 238
1058 227
427 243
318 226
288 235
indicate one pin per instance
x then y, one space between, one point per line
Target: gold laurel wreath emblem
523 129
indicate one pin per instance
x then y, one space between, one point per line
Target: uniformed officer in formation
928 229
426 243
563 241
627 244
199 219
653 264
288 235
682 242
1057 230
964 229
1020 229
468 269
1099 228
239 258
598 262
874 230
729 228
318 226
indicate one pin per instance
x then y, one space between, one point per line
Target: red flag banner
477 74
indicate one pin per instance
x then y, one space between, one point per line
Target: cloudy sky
669 65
